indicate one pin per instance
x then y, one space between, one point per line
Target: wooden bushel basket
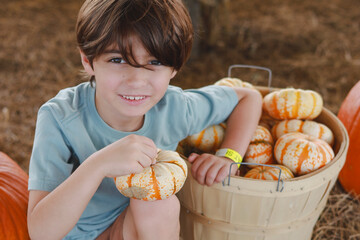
250 209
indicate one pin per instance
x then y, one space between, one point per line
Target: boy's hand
209 169
130 154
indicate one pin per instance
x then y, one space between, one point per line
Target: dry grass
340 218
307 44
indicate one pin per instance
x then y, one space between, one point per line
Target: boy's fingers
150 152
192 157
212 174
146 146
145 161
150 142
196 161
223 173
201 167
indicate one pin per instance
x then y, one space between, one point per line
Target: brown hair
163 26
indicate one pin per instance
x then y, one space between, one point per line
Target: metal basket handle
254 67
278 189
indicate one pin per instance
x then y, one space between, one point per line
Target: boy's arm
241 125
56 213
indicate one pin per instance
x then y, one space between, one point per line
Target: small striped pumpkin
266 120
308 127
260 149
269 173
290 103
209 139
233 82
158 181
302 153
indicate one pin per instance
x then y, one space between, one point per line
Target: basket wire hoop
280 182
253 67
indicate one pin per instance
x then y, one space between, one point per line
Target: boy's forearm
57 213
242 123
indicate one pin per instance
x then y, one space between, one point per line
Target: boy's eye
155 62
117 60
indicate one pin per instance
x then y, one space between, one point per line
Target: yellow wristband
229 153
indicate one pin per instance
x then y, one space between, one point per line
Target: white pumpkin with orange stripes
209 139
233 82
308 127
302 153
260 148
159 181
290 103
266 120
269 173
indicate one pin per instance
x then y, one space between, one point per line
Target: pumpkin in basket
159 181
308 127
349 114
290 103
260 149
269 173
13 200
266 120
302 153
233 82
209 139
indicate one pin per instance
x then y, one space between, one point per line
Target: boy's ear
173 74
86 64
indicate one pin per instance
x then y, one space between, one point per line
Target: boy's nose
137 77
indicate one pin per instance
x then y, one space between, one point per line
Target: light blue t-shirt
69 129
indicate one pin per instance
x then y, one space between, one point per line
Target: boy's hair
163 26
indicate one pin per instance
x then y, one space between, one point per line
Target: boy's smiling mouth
133 98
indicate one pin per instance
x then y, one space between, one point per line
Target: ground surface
307 44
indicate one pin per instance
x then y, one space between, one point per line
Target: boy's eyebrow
112 51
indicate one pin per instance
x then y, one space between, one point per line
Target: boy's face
125 93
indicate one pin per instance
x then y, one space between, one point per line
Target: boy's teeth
133 98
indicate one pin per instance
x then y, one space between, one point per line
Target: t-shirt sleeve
209 106
49 164
193 110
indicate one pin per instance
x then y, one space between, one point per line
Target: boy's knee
167 208
159 218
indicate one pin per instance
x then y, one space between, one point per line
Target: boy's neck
126 125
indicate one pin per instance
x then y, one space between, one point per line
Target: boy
113 125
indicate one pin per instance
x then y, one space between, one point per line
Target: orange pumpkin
233 82
302 153
308 127
290 103
155 182
269 173
209 139
349 114
13 200
260 148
